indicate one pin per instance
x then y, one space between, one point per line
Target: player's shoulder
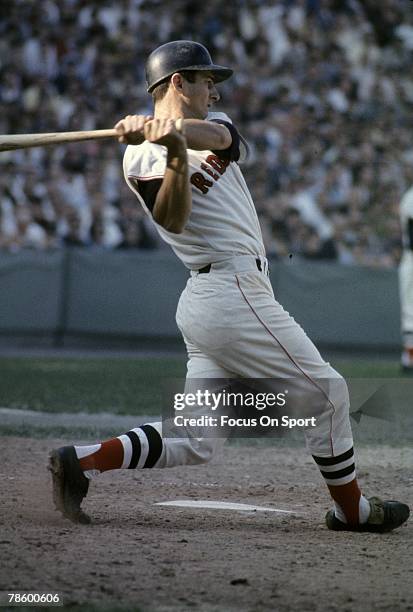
218 116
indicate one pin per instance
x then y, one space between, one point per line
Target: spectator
322 95
135 236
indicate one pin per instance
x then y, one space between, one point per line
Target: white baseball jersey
228 225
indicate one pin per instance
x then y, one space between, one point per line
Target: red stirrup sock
139 448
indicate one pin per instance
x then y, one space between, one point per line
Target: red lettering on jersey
200 182
210 172
218 164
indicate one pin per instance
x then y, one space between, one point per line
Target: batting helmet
181 55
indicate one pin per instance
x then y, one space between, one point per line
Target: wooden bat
23 141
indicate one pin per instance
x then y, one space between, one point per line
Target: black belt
207 269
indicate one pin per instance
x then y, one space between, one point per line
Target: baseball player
190 184
406 281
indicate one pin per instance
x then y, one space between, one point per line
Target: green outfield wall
133 294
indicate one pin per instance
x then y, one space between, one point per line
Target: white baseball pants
234 328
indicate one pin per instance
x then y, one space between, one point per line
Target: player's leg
151 445
159 444
261 340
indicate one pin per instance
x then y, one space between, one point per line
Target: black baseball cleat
70 485
384 516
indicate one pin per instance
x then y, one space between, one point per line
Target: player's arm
207 135
217 135
170 199
201 135
173 201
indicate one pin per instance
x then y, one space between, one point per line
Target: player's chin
200 115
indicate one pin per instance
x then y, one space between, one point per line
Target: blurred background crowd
322 91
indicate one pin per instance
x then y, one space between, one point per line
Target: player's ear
177 81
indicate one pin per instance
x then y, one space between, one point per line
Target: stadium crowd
322 90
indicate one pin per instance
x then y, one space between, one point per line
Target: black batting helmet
181 55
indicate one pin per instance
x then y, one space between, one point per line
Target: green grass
135 386
117 385
367 368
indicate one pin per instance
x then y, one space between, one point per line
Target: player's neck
171 109
168 109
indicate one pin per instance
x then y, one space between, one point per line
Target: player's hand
165 132
131 129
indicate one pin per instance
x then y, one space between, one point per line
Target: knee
339 393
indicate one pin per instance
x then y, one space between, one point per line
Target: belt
206 269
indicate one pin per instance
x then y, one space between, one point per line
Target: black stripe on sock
155 445
334 460
136 449
340 473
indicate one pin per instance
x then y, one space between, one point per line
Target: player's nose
214 95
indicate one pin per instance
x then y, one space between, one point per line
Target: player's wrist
176 156
177 164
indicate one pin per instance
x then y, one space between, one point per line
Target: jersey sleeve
238 150
144 168
233 152
145 162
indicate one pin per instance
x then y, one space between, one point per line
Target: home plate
220 505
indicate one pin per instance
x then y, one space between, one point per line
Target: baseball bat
23 141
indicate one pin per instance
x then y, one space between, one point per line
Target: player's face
201 95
